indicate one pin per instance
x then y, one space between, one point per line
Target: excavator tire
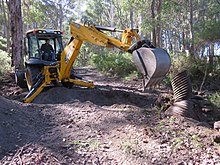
20 78
32 74
153 63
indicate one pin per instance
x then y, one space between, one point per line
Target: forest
116 122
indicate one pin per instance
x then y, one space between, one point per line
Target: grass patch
129 146
93 144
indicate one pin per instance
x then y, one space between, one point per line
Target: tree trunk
154 37
4 25
131 18
61 15
141 21
153 34
158 29
170 48
192 51
16 33
8 33
112 15
211 55
183 42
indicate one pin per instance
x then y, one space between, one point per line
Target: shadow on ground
101 96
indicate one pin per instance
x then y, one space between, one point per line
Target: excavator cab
38 38
36 58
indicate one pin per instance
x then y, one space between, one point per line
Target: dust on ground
114 123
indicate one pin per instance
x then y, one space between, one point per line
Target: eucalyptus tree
16 32
5 26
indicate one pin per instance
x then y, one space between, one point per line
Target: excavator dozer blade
153 63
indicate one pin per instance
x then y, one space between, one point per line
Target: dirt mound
19 124
101 95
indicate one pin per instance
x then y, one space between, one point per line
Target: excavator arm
94 35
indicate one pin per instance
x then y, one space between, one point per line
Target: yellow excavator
44 68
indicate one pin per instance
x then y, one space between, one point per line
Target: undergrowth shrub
3 44
198 68
114 63
84 56
5 62
180 62
215 99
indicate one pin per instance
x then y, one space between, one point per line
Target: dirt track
115 123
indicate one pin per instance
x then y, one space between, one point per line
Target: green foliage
210 31
202 68
5 62
84 57
3 43
198 67
118 64
47 14
3 40
4 57
180 62
207 29
215 99
167 80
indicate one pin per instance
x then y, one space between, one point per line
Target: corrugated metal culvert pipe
181 86
182 93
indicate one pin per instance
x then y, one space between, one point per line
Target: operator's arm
51 48
43 47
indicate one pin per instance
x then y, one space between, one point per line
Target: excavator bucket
153 63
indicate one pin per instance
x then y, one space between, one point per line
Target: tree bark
16 33
131 18
7 25
211 55
158 29
183 42
61 15
4 26
112 15
153 34
192 51
170 48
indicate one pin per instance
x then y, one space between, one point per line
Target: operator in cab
47 47
48 52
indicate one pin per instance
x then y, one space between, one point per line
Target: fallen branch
18 154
